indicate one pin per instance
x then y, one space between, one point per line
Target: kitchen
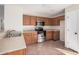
42 30
38 30
31 35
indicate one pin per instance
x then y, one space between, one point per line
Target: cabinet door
27 37
33 20
49 35
56 35
26 20
58 22
34 37
46 21
50 22
55 21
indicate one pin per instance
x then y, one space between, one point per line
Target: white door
71 30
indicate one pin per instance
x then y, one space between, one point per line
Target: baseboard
17 52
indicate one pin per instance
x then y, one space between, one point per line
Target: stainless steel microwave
39 23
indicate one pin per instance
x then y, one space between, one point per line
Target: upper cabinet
31 20
47 21
56 21
26 20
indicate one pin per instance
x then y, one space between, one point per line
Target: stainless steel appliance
39 28
40 23
41 36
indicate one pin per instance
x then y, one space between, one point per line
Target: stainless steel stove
41 32
41 36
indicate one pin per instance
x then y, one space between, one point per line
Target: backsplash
51 27
28 27
45 27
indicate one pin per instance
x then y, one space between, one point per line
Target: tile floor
50 48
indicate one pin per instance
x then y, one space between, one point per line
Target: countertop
44 30
12 44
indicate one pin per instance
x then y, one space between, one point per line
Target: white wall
13 17
62 30
12 21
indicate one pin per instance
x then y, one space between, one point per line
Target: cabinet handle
75 33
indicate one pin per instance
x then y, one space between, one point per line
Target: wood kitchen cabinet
61 17
52 35
34 37
27 37
30 37
49 35
33 20
55 22
48 22
26 20
56 35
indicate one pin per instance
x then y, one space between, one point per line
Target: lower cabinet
27 37
52 35
30 37
56 35
34 37
49 35
17 52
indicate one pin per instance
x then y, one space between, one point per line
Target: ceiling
45 10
